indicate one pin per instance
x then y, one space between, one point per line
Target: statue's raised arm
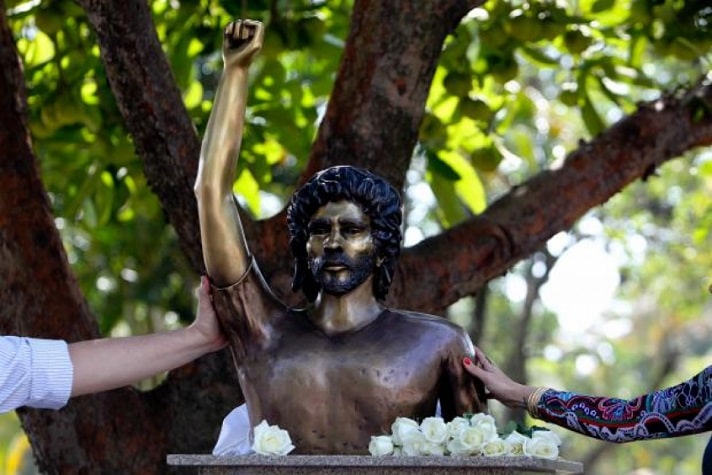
224 246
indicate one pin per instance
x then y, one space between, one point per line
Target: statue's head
378 200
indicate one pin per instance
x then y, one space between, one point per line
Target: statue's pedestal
368 465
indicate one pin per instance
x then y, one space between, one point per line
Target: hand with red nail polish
499 385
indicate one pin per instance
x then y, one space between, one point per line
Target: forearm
668 412
518 396
109 363
591 415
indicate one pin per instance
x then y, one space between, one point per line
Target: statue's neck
336 314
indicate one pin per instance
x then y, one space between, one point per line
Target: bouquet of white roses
469 435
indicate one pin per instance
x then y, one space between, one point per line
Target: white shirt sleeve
34 372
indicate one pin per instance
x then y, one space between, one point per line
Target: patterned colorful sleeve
682 409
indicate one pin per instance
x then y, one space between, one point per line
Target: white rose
546 433
516 443
473 438
414 442
271 440
486 424
456 447
434 429
480 418
432 448
400 427
455 426
541 447
495 448
381 445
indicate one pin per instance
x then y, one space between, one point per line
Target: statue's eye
317 229
352 230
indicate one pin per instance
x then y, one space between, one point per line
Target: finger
253 25
471 367
252 30
230 29
478 373
484 361
205 287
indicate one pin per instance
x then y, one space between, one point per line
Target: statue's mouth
334 267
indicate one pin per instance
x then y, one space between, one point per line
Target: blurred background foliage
519 84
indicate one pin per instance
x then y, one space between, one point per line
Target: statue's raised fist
243 40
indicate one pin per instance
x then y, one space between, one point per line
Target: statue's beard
357 271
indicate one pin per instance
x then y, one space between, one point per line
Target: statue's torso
332 393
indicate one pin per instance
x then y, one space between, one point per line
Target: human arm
109 363
43 373
224 246
670 412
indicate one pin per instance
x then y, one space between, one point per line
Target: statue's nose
333 240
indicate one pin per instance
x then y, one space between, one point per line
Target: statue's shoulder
427 321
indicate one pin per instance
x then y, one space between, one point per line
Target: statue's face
341 250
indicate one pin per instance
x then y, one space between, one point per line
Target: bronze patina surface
342 369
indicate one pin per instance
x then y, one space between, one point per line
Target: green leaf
537 56
594 123
247 188
450 210
441 168
468 187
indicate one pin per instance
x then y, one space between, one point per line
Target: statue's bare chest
386 360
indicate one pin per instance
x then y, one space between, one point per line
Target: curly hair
378 199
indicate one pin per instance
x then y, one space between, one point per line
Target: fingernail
467 361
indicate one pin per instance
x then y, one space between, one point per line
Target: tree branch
460 260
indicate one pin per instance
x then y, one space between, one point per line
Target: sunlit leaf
450 209
468 187
38 51
591 118
248 190
193 95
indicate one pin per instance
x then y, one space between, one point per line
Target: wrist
518 394
200 342
532 400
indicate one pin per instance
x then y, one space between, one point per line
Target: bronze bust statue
342 369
